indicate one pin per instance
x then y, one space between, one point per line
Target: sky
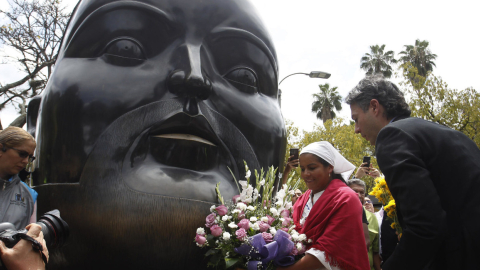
332 36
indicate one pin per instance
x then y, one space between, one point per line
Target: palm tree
377 61
325 101
420 56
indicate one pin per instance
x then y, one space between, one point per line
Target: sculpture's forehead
200 16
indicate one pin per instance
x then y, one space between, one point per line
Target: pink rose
222 210
210 220
235 199
216 230
268 237
286 230
241 234
287 222
200 240
270 220
241 215
294 251
263 226
244 224
285 213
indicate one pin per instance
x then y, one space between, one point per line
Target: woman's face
10 161
314 173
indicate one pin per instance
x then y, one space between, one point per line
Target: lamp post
313 74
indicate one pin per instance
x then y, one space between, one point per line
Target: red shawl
335 226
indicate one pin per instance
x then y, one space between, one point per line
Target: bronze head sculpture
149 105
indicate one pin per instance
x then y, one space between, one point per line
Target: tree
32 31
420 56
433 100
378 62
325 101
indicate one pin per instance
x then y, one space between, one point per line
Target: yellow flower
393 225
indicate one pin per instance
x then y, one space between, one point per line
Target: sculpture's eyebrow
229 32
160 14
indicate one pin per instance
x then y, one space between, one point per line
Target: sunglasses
23 154
367 201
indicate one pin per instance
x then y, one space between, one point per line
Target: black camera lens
55 229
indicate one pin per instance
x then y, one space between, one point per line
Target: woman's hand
22 255
291 164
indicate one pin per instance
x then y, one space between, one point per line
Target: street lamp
313 74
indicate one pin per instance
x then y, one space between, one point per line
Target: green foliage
433 100
377 61
420 56
325 101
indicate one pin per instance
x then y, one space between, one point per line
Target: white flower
228 253
273 231
265 207
232 225
255 226
250 208
243 184
216 242
212 208
274 211
309 241
201 231
264 219
229 217
236 211
226 236
279 203
255 194
302 237
248 200
288 206
249 173
280 175
299 246
262 182
282 219
291 192
246 167
295 237
253 219
242 206
284 187
225 218
217 218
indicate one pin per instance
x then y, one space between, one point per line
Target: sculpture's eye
124 52
243 79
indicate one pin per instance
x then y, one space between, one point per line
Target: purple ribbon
262 253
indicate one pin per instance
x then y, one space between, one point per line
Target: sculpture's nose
189 82
189 85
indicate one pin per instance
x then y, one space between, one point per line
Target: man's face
365 123
360 192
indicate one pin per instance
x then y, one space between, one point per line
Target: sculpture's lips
184 142
187 137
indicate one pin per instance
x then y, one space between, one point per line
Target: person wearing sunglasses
17 199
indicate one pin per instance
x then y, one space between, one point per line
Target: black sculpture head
149 105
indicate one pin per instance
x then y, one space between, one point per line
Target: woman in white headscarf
329 213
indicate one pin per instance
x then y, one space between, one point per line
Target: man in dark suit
433 173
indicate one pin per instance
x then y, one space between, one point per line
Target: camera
55 231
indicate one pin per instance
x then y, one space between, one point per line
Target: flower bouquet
383 194
255 230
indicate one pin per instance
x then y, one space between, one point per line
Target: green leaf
211 252
229 262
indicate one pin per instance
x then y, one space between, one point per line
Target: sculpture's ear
32 114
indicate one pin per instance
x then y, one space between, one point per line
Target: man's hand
23 255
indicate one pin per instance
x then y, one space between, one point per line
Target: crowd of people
433 173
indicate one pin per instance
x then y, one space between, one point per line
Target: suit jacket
433 173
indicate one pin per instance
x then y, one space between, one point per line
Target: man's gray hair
356 181
387 94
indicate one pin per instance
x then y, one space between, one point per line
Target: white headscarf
328 153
